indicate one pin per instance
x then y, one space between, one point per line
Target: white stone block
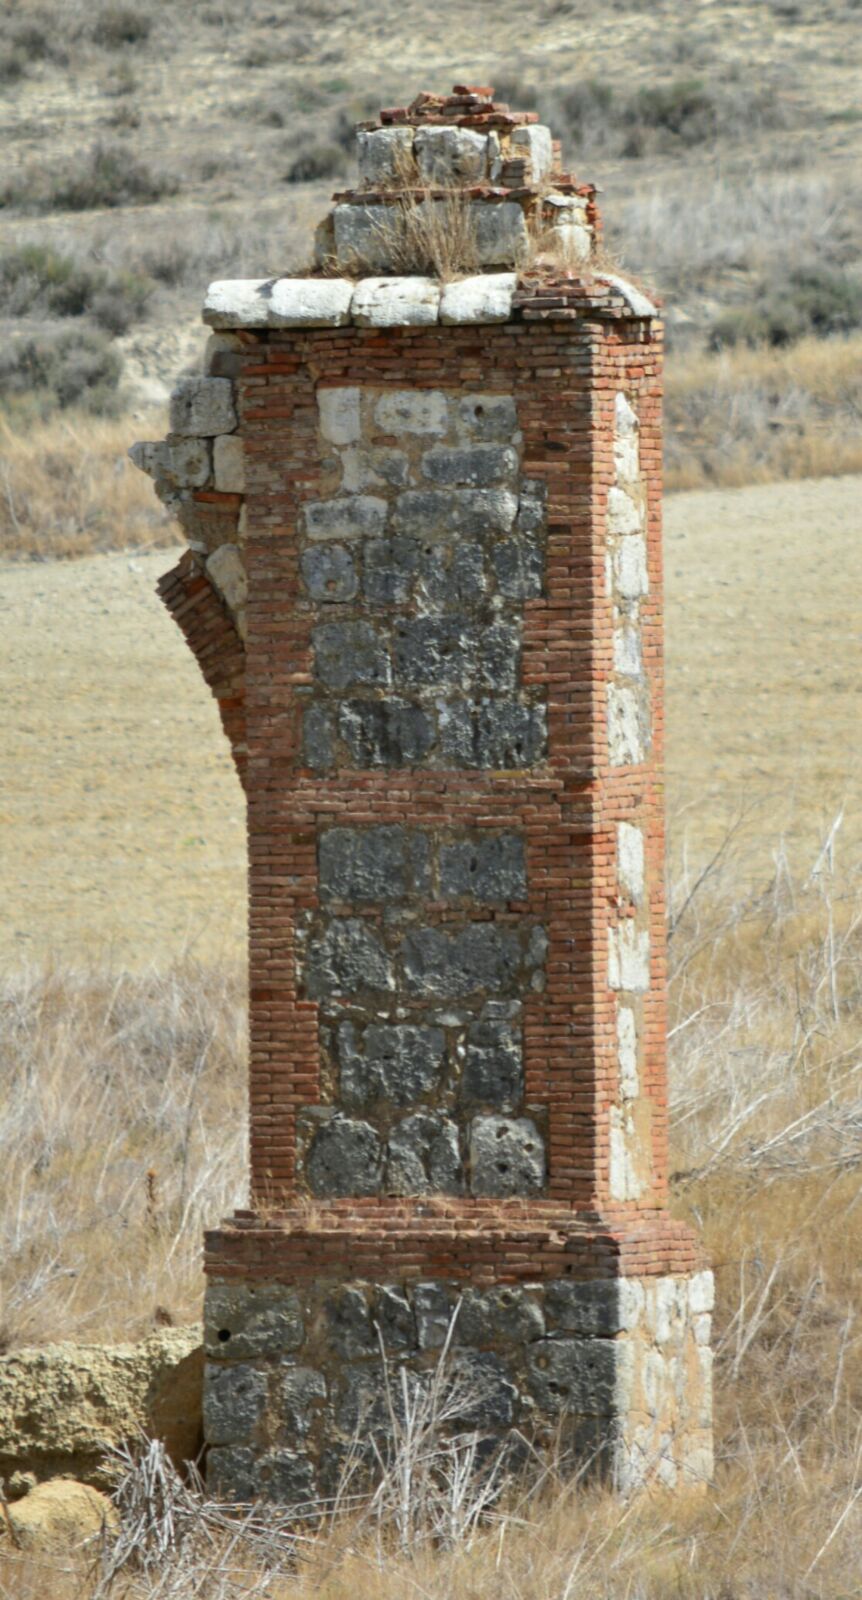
384 154
671 1306
625 1376
229 463
395 302
202 407
535 141
502 239
226 571
486 298
412 411
703 1408
629 957
310 303
624 516
635 299
623 1179
339 415
631 1303
630 861
450 155
702 1327
627 1053
627 726
237 303
655 1383
626 424
701 1292
631 579
628 660
573 241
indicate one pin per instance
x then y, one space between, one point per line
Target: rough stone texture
329 573
56 1517
383 154
507 1156
353 517
363 237
229 464
628 958
226 569
396 1062
493 1066
450 155
235 1399
424 1156
346 653
62 1405
339 415
345 1158
537 142
486 298
346 956
501 234
386 863
488 869
395 302
203 407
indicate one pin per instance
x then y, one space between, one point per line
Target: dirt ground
123 820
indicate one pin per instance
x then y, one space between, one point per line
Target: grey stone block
435 513
576 1375
452 574
350 516
365 236
229 463
345 1158
423 1156
373 469
532 506
329 572
507 1156
481 956
502 239
345 957
499 664
487 416
390 733
302 1389
390 569
493 1073
434 650
433 1308
490 1398
497 733
506 1315
477 466
519 567
489 868
234 1401
348 1323
203 407
399 1063
287 1477
364 1398
450 155
384 154
318 738
232 1474
346 653
242 1320
174 463
592 1309
394 1317
412 411
383 863
536 143
223 355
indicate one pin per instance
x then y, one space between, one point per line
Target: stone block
419 411
347 653
499 662
482 1383
383 863
287 1477
536 143
395 302
505 1315
232 1474
532 506
348 517
349 1329
226 570
366 1397
238 303
339 410
630 577
636 301
318 738
630 861
571 237
423 1156
435 513
701 1292
390 568
490 868
519 568
628 657
627 1053
592 1309
452 574
628 728
486 298
485 417
235 1398
497 734
174 463
450 156
365 239
278 303
433 1309
502 239
624 515
385 155
393 1316
372 469
626 453
345 1158
507 1156
493 1074
480 957
203 407
255 1319
429 651
345 957
629 957
222 357
475 466
398 1062
390 733
301 1390
574 1375
229 463
329 572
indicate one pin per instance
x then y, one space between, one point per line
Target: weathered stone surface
235 1396
484 299
536 143
253 1319
203 407
347 653
229 463
636 300
507 1156
329 572
388 733
412 411
395 302
630 861
630 577
174 463
489 1397
348 1323
493 1073
532 506
701 1292
238 303
451 965
393 1316
575 1375
384 154
364 1397
286 1476
499 662
398 1062
626 463
339 411
372 469
345 1158
491 867
365 237
383 863
487 417
423 1156
628 731
627 1053
226 570
222 357
301 1389
505 1316
391 566
624 515
318 738
346 956
63 1405
310 303
433 1310
434 650
232 1473
430 513
450 155
628 658
502 239
452 574
629 957
496 733
519 567
348 517
57 1517
477 466
592 1308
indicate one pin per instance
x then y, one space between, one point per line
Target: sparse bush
38 281
315 162
13 63
77 368
118 25
108 176
805 300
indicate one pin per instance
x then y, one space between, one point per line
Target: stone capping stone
486 297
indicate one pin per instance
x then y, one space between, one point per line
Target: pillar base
585 1334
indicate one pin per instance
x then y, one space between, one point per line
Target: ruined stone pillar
428 529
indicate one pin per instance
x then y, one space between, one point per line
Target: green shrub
809 299
37 281
78 368
317 161
119 25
